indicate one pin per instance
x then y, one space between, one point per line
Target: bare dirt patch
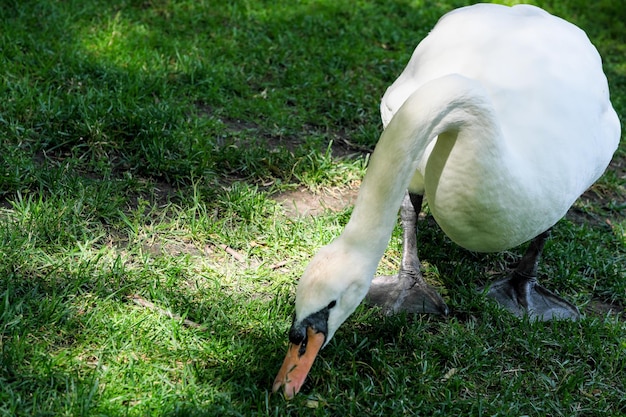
303 202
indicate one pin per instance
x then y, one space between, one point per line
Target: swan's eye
332 304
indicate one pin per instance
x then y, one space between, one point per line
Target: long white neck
452 107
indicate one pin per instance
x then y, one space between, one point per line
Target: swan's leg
407 291
521 294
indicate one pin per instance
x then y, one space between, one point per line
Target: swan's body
501 120
553 124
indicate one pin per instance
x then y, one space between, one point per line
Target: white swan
501 120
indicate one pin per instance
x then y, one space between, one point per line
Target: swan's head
333 285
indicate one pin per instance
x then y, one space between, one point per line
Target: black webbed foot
521 294
403 293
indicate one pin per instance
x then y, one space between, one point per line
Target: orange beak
297 364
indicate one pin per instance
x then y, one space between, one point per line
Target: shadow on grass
117 86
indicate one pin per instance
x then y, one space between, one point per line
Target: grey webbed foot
396 294
525 297
521 294
407 291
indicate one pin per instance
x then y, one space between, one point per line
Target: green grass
141 143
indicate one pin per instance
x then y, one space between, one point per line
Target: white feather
501 118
